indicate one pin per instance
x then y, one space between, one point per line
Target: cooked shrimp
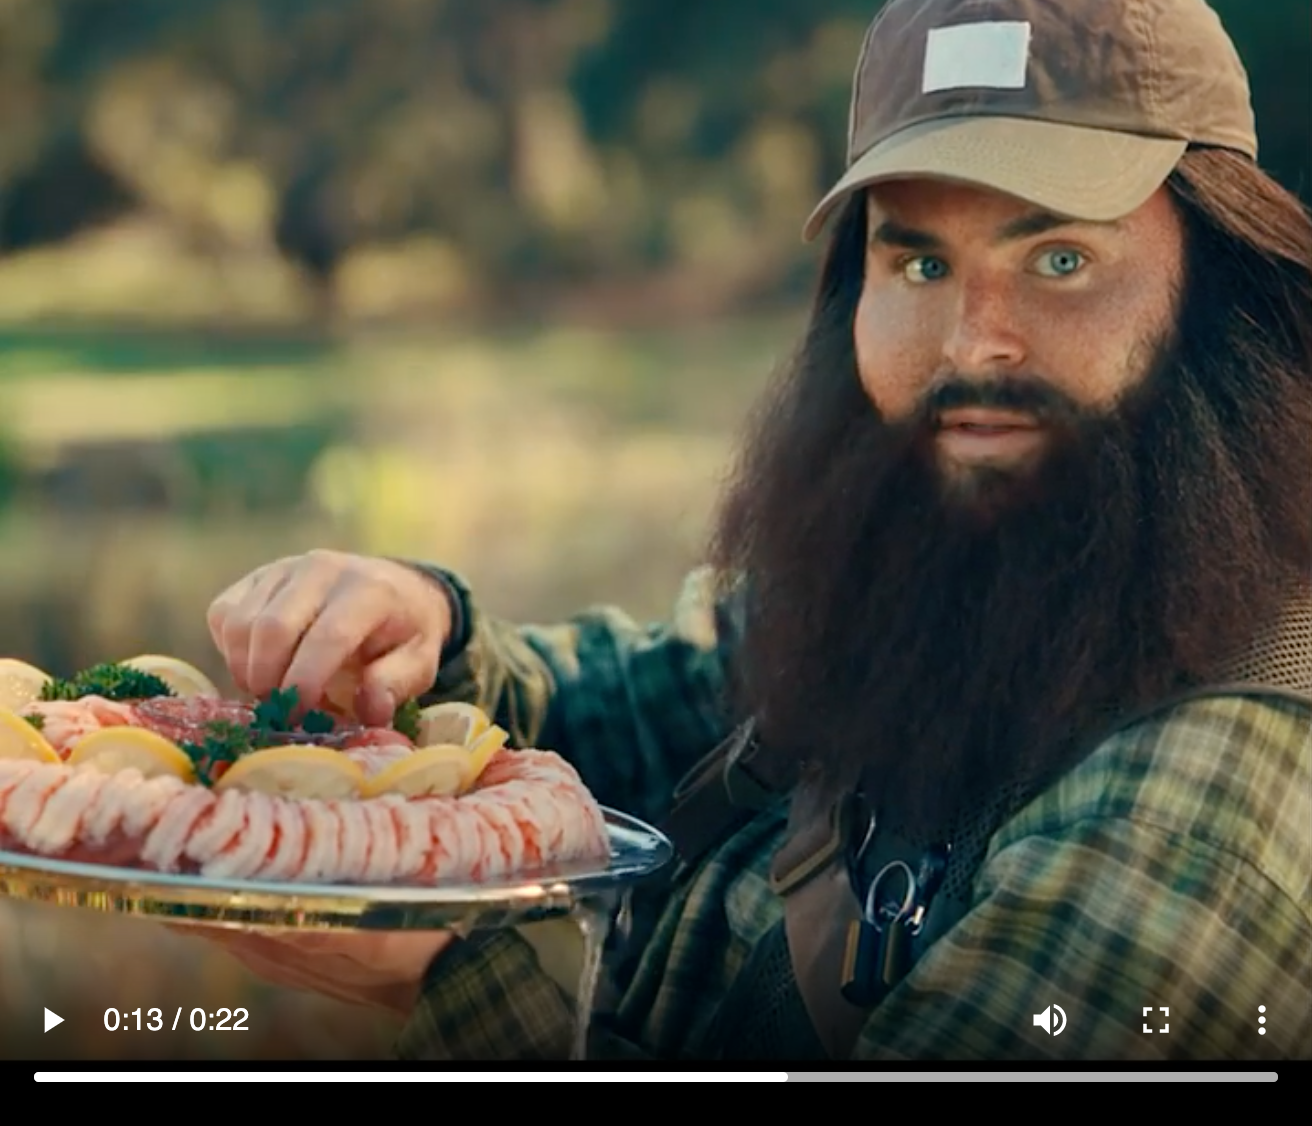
530 809
64 722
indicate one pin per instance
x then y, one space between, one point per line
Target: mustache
1023 394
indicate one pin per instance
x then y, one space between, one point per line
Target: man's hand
382 970
328 619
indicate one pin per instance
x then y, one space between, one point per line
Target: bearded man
997 692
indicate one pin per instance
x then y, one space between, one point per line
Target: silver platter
637 851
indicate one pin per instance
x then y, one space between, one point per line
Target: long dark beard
932 643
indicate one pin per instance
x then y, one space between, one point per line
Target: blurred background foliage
275 160
490 282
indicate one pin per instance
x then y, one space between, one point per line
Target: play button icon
52 1019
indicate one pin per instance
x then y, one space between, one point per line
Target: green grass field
553 468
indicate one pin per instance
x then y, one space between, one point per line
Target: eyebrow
892 233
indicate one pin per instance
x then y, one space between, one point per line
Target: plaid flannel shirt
1159 893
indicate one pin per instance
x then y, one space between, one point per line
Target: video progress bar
410 1077
656 1077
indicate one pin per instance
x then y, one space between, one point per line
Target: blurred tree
530 144
64 191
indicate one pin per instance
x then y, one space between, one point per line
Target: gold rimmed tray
637 851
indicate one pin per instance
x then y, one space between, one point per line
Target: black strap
723 791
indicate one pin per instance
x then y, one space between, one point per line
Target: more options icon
1044 1020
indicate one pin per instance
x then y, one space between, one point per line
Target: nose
984 336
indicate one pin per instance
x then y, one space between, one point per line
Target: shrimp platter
143 764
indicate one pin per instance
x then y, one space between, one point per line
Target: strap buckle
806 855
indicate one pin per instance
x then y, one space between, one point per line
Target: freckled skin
1079 307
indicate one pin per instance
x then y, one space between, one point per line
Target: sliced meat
184 721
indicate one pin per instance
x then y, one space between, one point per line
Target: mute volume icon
1044 1020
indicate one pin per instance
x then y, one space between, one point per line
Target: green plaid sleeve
490 997
632 705
487 998
1167 883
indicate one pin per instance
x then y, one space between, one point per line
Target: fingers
232 613
257 623
331 967
405 672
334 638
273 965
270 958
275 635
302 622
381 969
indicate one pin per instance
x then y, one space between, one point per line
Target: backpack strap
810 873
723 791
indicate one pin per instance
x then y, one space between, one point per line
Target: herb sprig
275 712
224 743
112 681
274 715
406 719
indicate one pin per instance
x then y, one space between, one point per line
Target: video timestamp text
198 1020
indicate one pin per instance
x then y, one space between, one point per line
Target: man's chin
983 490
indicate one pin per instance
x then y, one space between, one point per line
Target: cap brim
1087 174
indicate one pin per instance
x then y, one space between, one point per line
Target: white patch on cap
994 55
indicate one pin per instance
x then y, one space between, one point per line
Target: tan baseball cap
1081 107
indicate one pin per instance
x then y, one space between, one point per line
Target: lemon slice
434 772
295 772
480 754
453 723
19 739
112 749
186 680
20 683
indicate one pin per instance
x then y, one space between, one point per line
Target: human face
1003 307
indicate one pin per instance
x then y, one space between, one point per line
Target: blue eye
1060 263
924 269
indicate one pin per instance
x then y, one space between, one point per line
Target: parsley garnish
317 723
275 713
225 742
113 682
406 720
